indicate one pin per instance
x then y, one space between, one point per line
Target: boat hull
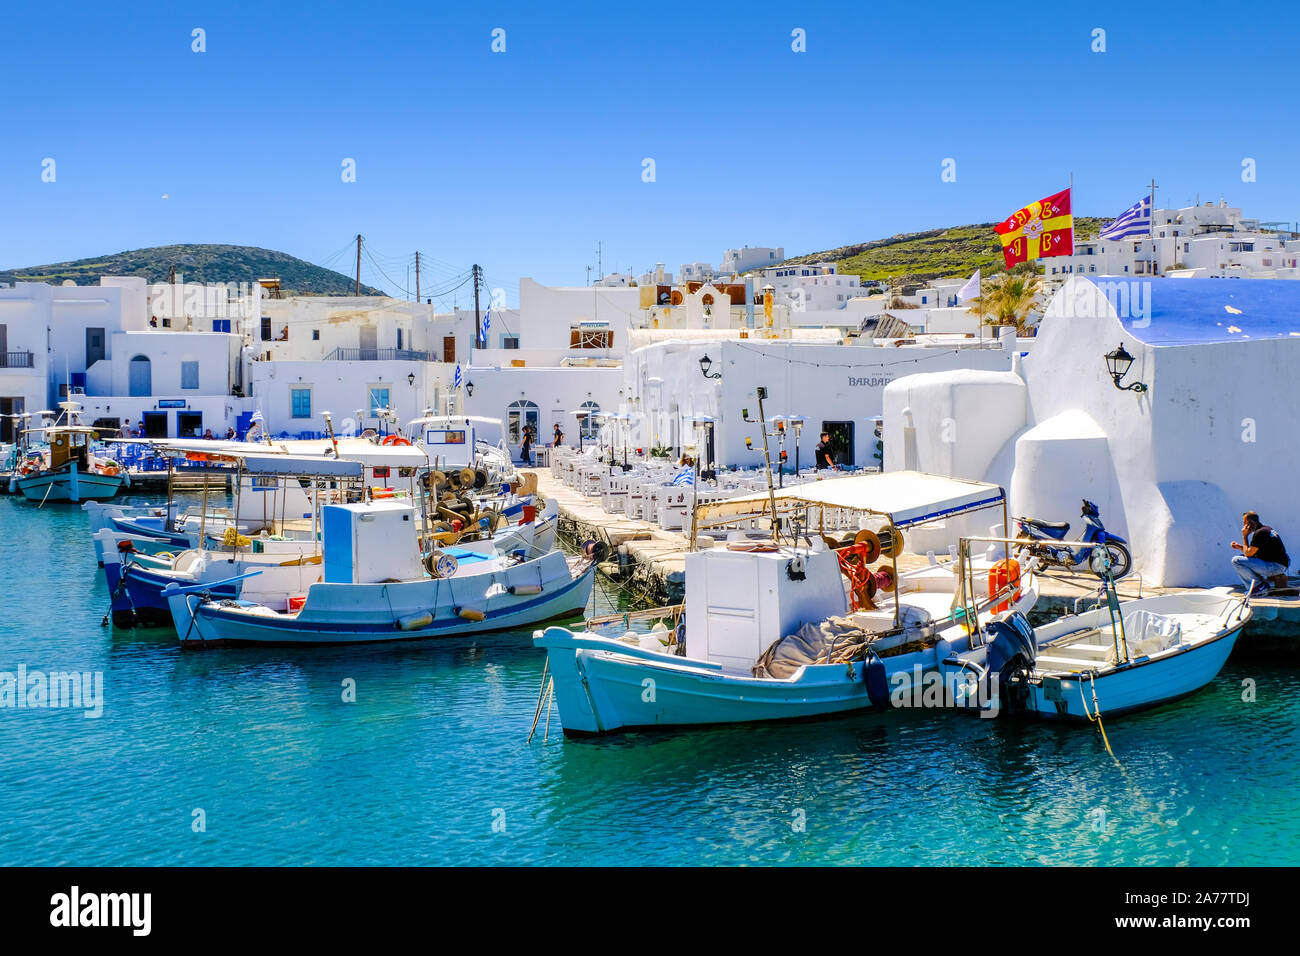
1139 686
137 598
603 687
372 613
69 485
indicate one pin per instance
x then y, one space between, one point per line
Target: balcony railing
377 355
16 360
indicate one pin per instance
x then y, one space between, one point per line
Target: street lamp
797 421
706 363
410 379
469 389
1118 363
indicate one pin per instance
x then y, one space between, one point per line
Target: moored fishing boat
773 631
376 586
1123 656
70 470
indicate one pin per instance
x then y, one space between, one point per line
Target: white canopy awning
905 497
363 450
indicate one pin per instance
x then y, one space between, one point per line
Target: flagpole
1151 228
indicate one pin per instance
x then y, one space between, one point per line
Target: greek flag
684 477
483 329
256 419
1133 221
456 382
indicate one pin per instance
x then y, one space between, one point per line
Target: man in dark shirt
824 449
1263 556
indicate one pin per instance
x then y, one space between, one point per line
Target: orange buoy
1002 575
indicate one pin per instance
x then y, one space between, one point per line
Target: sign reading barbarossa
869 381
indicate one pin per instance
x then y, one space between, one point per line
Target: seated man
1263 555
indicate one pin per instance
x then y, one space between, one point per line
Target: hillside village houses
1210 241
182 359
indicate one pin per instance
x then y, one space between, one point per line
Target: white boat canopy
906 497
363 450
259 460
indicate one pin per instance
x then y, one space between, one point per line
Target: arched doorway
141 383
589 426
520 413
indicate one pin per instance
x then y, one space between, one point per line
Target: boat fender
525 589
873 673
470 614
413 622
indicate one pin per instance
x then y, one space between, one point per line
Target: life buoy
394 440
110 469
1002 575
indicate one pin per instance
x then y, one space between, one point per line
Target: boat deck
656 563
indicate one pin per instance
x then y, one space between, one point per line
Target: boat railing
671 613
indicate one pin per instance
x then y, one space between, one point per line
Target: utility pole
600 267
417 278
357 289
478 328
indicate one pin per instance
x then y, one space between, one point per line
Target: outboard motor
1012 652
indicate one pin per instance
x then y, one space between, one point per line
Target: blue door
141 376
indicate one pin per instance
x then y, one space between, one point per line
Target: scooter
1106 554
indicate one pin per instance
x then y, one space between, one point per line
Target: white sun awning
906 497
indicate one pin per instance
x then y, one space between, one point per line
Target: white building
1209 241
748 258
807 373
1171 468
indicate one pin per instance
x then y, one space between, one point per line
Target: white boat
270 498
374 589
1126 655
455 442
770 632
69 470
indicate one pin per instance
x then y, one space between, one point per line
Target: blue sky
524 160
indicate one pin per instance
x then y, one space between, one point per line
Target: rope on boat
541 695
550 700
1096 708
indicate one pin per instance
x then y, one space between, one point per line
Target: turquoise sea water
430 765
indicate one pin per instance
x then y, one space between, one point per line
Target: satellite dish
68 282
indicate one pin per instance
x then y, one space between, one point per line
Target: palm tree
1008 300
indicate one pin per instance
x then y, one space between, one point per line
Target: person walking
1263 557
825 451
526 452
558 440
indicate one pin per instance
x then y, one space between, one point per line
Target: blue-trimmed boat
373 589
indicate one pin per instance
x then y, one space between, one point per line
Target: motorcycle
1105 553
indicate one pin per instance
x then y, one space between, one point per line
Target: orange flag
1040 230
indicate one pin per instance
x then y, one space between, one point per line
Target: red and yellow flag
1042 229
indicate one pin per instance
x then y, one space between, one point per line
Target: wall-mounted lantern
1118 363
706 363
